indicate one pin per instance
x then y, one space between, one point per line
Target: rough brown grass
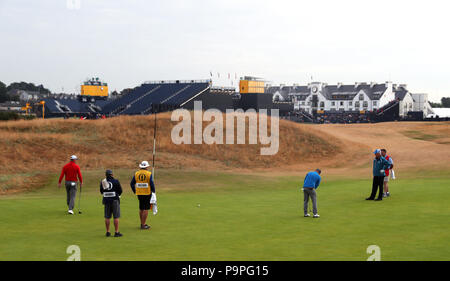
41 147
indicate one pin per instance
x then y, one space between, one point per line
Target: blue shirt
380 164
312 179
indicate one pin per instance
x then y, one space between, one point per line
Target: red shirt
71 171
386 172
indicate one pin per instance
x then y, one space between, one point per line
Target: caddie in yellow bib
143 186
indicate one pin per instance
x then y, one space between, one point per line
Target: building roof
400 93
332 92
302 96
286 91
348 92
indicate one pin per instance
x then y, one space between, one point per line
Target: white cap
144 164
73 157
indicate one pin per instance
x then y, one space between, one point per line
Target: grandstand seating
52 106
142 98
391 105
389 112
305 115
186 94
119 104
56 107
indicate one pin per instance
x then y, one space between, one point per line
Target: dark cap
108 172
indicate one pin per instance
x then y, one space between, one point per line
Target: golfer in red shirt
72 173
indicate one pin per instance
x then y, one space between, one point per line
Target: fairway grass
241 217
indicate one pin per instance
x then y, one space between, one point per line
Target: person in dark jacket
111 190
380 164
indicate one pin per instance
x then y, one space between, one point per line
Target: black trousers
377 183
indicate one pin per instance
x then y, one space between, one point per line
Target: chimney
339 85
356 85
388 84
372 84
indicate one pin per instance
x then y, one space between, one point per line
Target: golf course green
235 216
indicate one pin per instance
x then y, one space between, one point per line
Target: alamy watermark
375 253
75 253
213 132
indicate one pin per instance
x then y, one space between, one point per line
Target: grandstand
156 95
72 107
144 98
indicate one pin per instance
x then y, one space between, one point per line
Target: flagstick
154 147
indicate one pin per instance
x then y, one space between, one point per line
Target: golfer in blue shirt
311 183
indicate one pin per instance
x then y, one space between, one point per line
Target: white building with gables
356 97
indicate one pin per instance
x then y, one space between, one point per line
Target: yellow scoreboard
247 86
97 91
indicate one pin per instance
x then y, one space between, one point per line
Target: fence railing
176 81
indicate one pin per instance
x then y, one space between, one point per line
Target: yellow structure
43 108
94 88
26 108
251 85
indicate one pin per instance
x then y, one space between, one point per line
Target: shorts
386 179
112 209
144 202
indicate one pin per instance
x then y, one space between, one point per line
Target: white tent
441 112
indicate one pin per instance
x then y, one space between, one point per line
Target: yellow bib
142 185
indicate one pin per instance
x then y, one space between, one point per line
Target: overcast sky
128 42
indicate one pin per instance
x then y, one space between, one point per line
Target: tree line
445 102
5 91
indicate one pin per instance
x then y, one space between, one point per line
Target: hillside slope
34 150
412 145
